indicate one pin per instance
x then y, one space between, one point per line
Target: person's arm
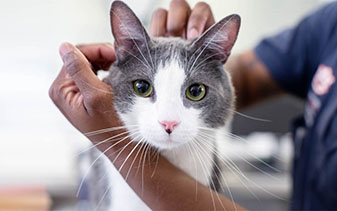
87 103
251 78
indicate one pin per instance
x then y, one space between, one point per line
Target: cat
175 93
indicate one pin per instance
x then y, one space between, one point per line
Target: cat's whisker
210 147
140 158
256 185
203 62
110 139
248 116
102 153
204 171
96 132
202 136
113 138
235 170
231 135
156 165
134 159
130 142
103 197
252 155
143 166
148 50
98 89
252 165
140 60
196 170
108 155
110 186
216 153
214 165
127 157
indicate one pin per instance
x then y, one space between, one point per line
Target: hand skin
87 103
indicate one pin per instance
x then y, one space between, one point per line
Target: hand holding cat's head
80 95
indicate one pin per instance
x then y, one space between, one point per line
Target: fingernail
192 33
65 48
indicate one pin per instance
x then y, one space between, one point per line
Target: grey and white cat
172 94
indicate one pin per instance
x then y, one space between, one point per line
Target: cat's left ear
220 38
129 33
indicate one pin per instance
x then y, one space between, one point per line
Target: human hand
83 99
181 21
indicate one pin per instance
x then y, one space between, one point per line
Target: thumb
79 68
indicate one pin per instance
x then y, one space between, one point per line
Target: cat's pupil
196 90
142 86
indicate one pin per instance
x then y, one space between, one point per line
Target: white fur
176 147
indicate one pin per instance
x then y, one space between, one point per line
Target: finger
177 17
158 23
101 56
79 69
200 20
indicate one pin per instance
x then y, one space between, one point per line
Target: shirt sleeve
292 56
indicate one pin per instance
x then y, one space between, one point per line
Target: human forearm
161 185
251 79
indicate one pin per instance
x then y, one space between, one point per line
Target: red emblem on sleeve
323 79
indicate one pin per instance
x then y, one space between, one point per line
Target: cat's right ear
220 38
130 35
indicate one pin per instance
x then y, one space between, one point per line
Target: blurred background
39 148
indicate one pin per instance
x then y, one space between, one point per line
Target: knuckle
80 46
53 94
97 100
72 64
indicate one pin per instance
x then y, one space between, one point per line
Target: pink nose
169 125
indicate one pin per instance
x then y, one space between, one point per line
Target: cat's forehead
173 43
168 49
196 63
161 52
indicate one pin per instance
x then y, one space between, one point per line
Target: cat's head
167 90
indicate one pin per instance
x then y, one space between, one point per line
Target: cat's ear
220 38
130 35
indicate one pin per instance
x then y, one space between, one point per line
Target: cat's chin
166 145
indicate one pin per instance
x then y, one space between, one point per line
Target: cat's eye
196 92
142 88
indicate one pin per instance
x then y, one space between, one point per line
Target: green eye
196 92
142 88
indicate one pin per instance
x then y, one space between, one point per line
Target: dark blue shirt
303 61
